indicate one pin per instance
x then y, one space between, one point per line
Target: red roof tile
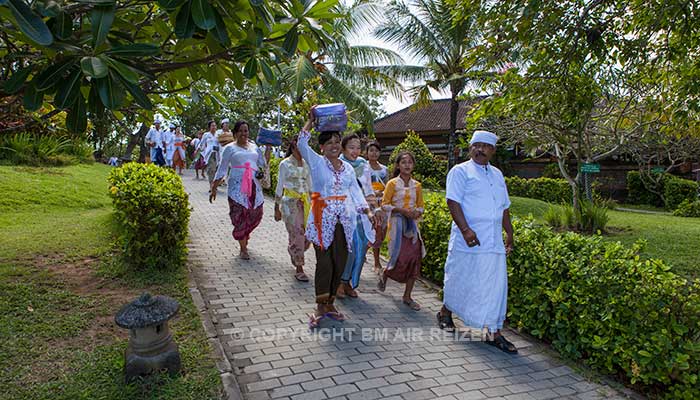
435 117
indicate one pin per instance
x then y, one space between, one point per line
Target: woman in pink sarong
247 164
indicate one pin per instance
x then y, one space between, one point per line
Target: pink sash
247 181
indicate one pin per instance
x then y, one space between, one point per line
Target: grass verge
61 286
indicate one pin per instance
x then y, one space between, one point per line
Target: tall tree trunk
452 138
137 139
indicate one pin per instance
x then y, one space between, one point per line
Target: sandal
412 305
336 316
315 320
445 322
351 293
301 277
503 344
244 256
381 284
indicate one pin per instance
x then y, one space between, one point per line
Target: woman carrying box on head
335 203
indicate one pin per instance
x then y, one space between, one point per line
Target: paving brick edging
231 387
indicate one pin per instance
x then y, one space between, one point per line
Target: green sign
590 168
658 170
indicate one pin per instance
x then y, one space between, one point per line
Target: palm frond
296 73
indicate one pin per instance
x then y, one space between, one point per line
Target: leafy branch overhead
88 57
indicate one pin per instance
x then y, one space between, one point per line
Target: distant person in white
154 140
476 279
210 148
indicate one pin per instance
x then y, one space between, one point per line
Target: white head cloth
157 120
484 137
225 121
172 126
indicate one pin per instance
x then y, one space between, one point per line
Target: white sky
393 104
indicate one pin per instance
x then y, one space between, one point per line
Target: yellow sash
292 194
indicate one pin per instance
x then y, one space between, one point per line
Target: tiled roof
435 117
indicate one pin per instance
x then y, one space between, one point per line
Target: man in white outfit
154 140
476 279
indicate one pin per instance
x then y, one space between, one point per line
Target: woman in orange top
403 201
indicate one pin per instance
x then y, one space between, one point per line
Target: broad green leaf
110 91
171 4
236 76
123 70
94 104
251 68
29 23
53 74
267 71
63 25
33 98
135 50
16 81
101 18
220 32
94 67
139 96
76 118
68 90
203 14
291 41
184 23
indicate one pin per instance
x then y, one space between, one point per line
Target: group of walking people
167 147
344 204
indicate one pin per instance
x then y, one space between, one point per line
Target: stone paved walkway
258 313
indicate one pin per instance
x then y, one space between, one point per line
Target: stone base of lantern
167 359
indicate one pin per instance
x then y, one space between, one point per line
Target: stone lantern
151 348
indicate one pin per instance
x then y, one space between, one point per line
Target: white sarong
476 288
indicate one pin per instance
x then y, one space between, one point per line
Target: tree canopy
91 57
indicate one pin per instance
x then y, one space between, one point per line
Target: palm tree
343 68
429 30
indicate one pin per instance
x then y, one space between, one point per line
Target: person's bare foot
340 293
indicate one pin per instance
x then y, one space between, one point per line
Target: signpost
588 169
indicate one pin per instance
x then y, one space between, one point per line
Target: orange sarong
318 203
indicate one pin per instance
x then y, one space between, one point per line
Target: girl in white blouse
293 203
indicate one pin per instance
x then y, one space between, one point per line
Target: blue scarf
358 165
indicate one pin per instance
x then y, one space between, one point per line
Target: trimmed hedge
153 212
595 301
688 209
675 190
431 171
274 170
551 190
678 190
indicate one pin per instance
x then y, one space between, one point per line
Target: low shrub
432 170
595 301
590 219
677 190
688 209
674 190
274 170
435 231
153 212
37 150
556 191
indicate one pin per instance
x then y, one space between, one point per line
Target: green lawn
672 239
61 286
